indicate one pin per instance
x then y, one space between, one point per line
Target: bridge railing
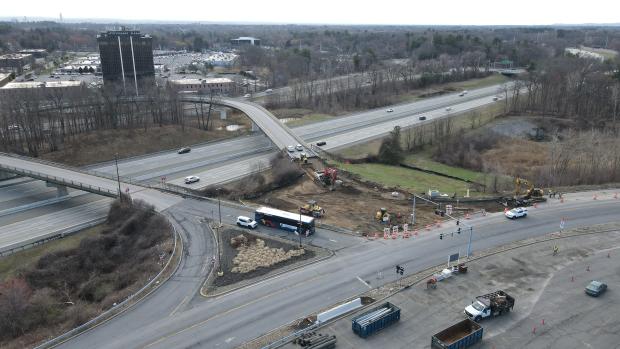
123 179
61 181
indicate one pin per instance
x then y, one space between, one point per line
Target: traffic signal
458 230
397 269
440 236
457 222
402 270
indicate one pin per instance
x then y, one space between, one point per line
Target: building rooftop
201 81
36 84
15 55
246 38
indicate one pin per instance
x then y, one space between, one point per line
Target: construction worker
555 250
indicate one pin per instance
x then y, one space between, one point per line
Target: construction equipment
312 209
328 176
382 215
529 193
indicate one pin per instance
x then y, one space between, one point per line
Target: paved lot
543 287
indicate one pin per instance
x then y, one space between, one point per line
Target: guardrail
119 308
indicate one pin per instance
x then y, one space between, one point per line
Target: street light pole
471 231
413 214
118 178
219 205
299 227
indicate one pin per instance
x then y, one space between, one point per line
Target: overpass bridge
65 176
274 129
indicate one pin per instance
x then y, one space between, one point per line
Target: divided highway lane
229 320
232 159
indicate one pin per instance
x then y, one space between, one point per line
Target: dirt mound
256 255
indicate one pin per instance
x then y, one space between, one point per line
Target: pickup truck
490 305
460 335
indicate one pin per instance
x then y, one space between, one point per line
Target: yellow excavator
529 193
312 209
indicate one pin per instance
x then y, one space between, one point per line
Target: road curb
281 272
420 276
122 308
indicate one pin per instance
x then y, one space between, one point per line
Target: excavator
525 192
312 209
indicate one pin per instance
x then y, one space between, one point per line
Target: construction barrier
394 236
467 216
428 227
594 197
505 209
438 223
615 195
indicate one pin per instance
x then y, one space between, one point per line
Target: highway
182 320
218 162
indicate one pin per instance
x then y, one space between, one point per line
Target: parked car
184 150
268 90
421 118
191 179
299 147
516 212
595 288
290 148
390 110
448 108
247 222
321 143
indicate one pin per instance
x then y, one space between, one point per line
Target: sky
391 12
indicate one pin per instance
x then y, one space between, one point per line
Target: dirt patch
246 256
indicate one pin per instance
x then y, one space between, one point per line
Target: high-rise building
126 58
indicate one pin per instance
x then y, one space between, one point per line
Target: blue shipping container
458 336
375 320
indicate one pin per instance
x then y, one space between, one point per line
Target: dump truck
460 335
375 320
490 305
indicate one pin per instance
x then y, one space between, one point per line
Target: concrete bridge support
61 190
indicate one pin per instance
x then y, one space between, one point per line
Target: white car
191 179
247 95
448 108
268 90
290 148
516 212
299 147
247 222
390 110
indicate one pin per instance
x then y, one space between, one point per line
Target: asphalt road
231 319
223 161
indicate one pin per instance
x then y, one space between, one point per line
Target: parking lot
551 308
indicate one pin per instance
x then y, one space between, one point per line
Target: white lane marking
364 282
332 240
228 340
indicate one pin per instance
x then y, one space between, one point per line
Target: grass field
423 160
410 180
12 264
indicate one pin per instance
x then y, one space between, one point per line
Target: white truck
490 305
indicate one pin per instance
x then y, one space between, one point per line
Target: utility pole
219 205
299 230
413 213
118 178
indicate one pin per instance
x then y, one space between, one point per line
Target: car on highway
299 147
184 150
390 110
461 94
321 143
596 288
448 108
247 95
191 179
290 148
516 212
422 118
247 222
268 90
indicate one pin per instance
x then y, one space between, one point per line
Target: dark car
184 150
595 288
422 118
321 143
